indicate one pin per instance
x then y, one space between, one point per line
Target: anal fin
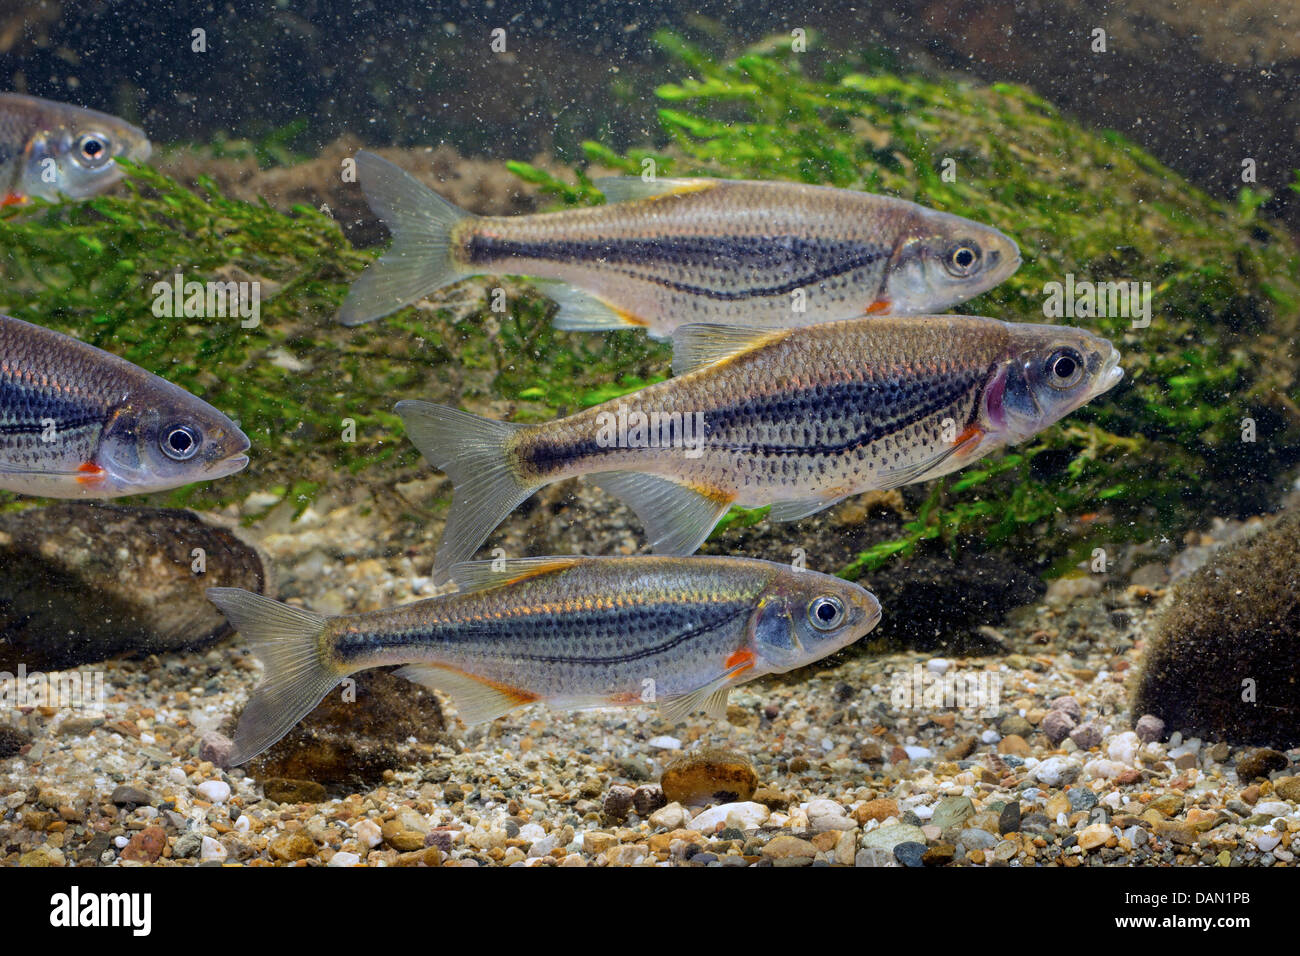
799 508
477 700
677 517
582 311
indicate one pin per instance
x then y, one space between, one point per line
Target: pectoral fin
917 471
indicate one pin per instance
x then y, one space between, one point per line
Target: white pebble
990 737
210 849
243 823
214 791
120 842
1266 840
1273 808
532 832
1124 748
343 858
664 742
368 833
176 775
916 753
922 812
743 816
938 665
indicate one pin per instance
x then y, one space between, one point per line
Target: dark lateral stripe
464 635
811 260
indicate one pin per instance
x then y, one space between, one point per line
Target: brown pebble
710 776
146 846
1259 763
961 749
939 855
286 790
882 808
772 798
647 799
293 846
1014 745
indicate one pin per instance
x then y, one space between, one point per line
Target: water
1140 157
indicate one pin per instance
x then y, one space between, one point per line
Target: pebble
888 837
951 812
1149 728
368 833
1274 808
214 791
789 848
1123 748
1057 725
1259 763
975 839
874 856
709 776
617 804
146 846
1069 706
1086 735
344 858
289 790
1015 745
881 808
1055 771
215 748
291 847
742 816
1009 818
647 799
670 817
909 853
210 850
829 815
664 743
1093 836
1081 798
1288 788
126 796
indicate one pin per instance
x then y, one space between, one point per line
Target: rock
12 741
909 853
962 749
1149 728
829 815
1057 771
647 799
1175 831
939 855
709 776
740 816
596 842
670 817
285 790
368 833
1015 745
1069 590
1087 735
973 838
1288 788
874 856
627 854
1235 619
1005 851
356 733
952 812
771 798
1123 748
214 791
882 808
1068 706
1259 763
188 844
1273 808
1094 836
1015 724
617 804
888 837
401 837
215 748
43 856
1056 725
788 848
1009 818
634 767
295 846
1081 798
210 850
146 846
342 859
127 796
118 578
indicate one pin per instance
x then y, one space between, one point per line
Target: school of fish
807 367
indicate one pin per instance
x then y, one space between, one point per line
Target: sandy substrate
848 769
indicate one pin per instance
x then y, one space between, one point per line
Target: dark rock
1056 725
1259 763
85 582
215 747
646 800
1149 728
1081 798
1068 705
127 796
355 734
1086 735
284 790
12 741
1224 659
1009 818
617 805
909 853
939 855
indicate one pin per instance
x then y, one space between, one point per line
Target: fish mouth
1111 373
227 467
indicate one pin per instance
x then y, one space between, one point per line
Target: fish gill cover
1149 457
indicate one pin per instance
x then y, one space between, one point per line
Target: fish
573 632
675 251
79 422
50 150
795 419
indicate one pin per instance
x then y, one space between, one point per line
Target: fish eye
179 442
93 150
962 258
826 612
1064 368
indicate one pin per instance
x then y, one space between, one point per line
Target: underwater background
1123 566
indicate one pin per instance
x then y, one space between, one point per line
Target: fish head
164 438
946 259
73 152
804 616
1050 370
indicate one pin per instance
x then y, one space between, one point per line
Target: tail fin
287 640
419 260
474 453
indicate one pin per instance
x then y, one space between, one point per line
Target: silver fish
673 251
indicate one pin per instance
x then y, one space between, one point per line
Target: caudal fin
287 640
419 260
474 453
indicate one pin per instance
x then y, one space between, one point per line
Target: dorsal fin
494 572
699 345
628 188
